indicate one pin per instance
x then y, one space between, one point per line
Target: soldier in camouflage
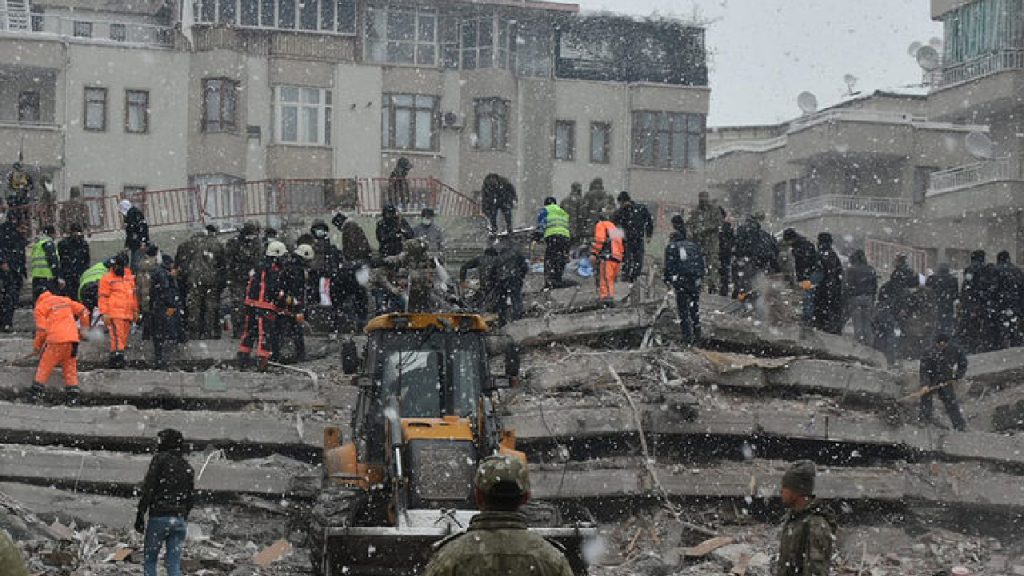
242 254
201 259
809 528
498 542
704 225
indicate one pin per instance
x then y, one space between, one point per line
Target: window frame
662 132
501 119
389 111
85 109
97 207
570 147
378 48
127 111
272 21
323 106
123 32
606 149
86 27
221 125
33 97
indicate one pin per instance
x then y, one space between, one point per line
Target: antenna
850 80
913 48
928 59
807 102
979 145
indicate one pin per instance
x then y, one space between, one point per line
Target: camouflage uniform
498 543
704 224
805 547
11 563
202 260
425 295
242 254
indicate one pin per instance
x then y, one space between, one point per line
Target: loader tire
335 506
540 514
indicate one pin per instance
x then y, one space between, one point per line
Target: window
136 111
668 140
410 122
491 123
981 28
83 29
309 15
220 98
93 195
303 115
600 142
96 109
118 33
28 106
565 140
401 35
478 43
779 199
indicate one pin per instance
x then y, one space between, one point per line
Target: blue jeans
808 302
160 529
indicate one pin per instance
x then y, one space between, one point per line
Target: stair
15 15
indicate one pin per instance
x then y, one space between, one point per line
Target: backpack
684 261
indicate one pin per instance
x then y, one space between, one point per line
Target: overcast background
765 52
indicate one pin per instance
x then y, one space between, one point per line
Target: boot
34 393
244 361
112 361
120 361
72 396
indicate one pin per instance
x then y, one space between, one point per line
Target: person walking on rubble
1009 302
60 322
498 541
704 226
553 227
637 226
242 255
45 264
828 294
860 290
684 273
167 498
352 278
809 527
202 260
263 296
119 307
164 309
807 266
507 276
291 322
606 256
941 368
947 292
74 258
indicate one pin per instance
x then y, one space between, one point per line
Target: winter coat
684 263
946 289
1009 288
507 196
202 261
12 249
635 222
828 294
57 320
355 246
294 283
143 280
979 287
607 242
117 295
941 365
433 234
806 541
595 201
164 294
136 229
578 226
241 256
726 242
391 233
861 280
169 487
74 257
265 290
757 245
806 260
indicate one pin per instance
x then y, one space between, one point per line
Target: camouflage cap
502 475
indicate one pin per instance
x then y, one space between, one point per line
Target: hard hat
304 251
276 249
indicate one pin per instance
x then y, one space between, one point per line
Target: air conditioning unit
451 120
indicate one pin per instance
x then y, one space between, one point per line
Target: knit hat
800 478
169 439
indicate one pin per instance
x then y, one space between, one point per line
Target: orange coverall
118 305
57 336
608 250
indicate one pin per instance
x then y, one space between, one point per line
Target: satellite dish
807 102
850 80
913 48
935 42
979 145
928 59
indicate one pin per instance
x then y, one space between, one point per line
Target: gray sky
765 52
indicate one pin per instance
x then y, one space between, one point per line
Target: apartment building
124 97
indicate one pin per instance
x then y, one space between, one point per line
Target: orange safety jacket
117 296
57 320
608 242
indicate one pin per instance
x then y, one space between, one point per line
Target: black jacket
944 364
946 289
295 284
163 291
169 486
1009 287
980 281
805 259
12 249
136 229
683 273
74 257
726 241
391 233
861 280
757 245
635 221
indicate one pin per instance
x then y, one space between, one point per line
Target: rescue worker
941 368
637 228
977 304
507 277
60 321
392 231
45 272
387 286
485 297
119 308
704 226
242 255
263 297
202 260
398 184
356 254
684 273
606 257
860 290
809 527
291 321
150 262
89 283
889 322
807 269
1009 302
747 262
947 293
828 294
553 227
579 228
136 231
167 497
326 268
13 240
165 310
73 212
726 250
506 201
428 229
489 201
425 281
596 200
498 535
74 258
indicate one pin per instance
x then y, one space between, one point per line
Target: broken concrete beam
585 374
836 378
213 387
998 367
83 509
566 327
128 426
966 485
105 471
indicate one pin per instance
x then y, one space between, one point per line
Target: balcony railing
1001 170
983 66
100 31
849 205
854 115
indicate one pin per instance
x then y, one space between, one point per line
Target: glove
806 285
140 524
300 318
171 312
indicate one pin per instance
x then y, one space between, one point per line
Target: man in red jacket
59 322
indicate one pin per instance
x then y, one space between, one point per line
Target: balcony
94 30
983 66
972 175
837 205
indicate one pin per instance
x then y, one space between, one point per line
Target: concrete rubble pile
676 452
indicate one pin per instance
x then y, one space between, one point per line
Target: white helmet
276 249
304 251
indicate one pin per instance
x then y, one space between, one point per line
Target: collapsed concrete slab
128 426
989 368
110 471
65 507
568 327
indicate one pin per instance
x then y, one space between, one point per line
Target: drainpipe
63 127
